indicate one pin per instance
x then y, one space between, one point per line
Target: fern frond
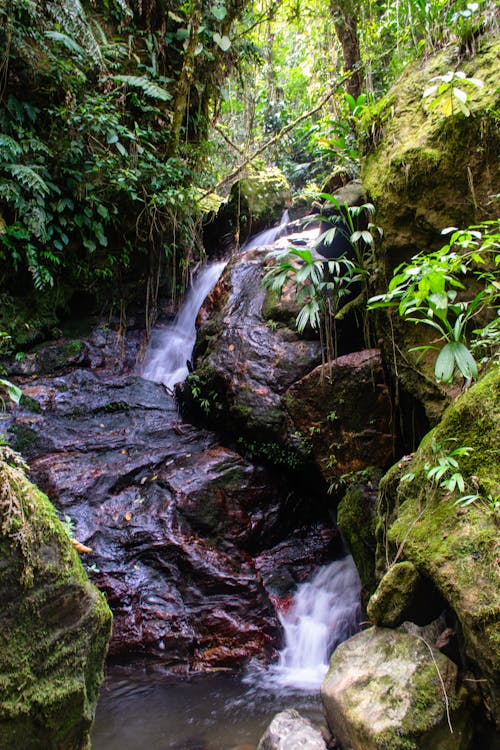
148 87
69 15
10 145
67 41
28 178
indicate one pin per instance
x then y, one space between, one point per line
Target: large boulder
453 547
344 410
388 690
176 522
255 202
54 626
290 730
244 365
425 171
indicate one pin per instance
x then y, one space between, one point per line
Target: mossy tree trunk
345 19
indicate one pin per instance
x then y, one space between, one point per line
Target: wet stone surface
175 520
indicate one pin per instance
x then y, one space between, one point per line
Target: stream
196 547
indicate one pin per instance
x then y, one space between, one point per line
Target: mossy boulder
356 518
425 171
455 547
54 626
256 201
402 595
385 691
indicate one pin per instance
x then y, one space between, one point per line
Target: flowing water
170 348
141 709
223 712
326 611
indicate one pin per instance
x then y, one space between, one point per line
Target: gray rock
291 731
386 689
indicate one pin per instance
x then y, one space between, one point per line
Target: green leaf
219 12
223 42
464 359
14 392
445 364
150 88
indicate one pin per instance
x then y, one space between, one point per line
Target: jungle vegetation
118 118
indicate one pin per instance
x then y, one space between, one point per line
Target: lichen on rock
54 626
388 690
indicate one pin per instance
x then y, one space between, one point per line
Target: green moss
456 549
58 626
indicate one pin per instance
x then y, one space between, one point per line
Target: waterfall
170 348
326 611
268 236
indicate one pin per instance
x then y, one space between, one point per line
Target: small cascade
326 611
268 236
170 348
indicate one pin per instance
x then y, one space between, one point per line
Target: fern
69 15
10 145
148 87
28 178
67 41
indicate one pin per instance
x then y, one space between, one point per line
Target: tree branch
286 129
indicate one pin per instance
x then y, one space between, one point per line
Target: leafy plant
425 292
447 95
319 286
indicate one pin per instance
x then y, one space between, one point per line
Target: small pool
138 709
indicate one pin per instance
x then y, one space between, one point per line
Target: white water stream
326 611
170 348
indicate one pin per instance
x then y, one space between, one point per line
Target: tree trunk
345 19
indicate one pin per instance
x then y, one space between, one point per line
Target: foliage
426 292
319 286
94 183
447 96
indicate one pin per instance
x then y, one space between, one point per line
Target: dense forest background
121 122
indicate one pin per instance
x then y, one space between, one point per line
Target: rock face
346 415
402 595
290 730
243 365
383 690
177 523
54 626
456 549
255 202
425 171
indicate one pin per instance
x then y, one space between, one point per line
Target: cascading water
170 348
268 236
326 611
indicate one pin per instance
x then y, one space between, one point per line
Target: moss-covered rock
255 202
356 518
54 626
455 547
403 595
425 171
385 690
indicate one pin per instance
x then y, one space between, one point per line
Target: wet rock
54 626
243 365
386 689
289 730
345 413
175 520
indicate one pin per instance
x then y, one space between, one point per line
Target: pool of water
219 712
